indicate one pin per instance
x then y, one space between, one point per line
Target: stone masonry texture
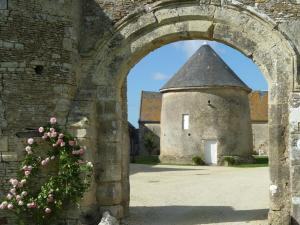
70 59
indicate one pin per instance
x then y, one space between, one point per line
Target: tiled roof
204 69
150 107
258 101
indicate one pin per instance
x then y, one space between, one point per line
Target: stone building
133 140
258 101
70 58
149 123
205 112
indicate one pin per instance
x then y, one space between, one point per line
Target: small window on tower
185 121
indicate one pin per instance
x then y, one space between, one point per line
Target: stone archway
161 23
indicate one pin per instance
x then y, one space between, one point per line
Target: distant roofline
149 121
259 121
249 90
153 92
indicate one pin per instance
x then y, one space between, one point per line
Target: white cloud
189 47
160 76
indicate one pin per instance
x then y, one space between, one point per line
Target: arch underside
143 32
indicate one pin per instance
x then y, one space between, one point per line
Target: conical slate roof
204 69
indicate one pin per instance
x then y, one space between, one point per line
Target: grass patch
149 160
260 161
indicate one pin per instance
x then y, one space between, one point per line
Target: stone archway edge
165 22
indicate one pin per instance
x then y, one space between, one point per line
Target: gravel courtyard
187 195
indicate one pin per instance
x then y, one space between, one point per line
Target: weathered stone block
10 156
109 193
143 21
68 44
110 153
19 46
110 106
234 37
3 4
81 133
9 64
108 172
295 182
3 144
8 44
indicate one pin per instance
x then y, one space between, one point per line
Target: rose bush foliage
67 185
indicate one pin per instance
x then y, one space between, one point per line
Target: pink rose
20 203
52 130
3 206
62 144
10 206
54 145
90 164
13 191
48 210
14 182
49 134
25 167
59 141
27 172
53 120
47 159
31 205
44 163
52 157
18 197
30 141
29 152
24 193
45 136
75 152
71 143
29 168
50 198
53 134
41 129
60 135
28 148
81 151
9 196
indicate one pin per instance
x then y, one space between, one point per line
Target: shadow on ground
192 215
138 168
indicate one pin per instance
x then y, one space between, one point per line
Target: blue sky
154 70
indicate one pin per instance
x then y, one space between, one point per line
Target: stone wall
260 133
152 130
39 71
70 58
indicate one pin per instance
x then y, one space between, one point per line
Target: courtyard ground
190 195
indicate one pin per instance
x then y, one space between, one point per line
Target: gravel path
187 195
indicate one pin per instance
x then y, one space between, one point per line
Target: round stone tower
205 112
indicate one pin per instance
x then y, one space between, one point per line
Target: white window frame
185 121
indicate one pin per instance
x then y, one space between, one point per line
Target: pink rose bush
67 186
